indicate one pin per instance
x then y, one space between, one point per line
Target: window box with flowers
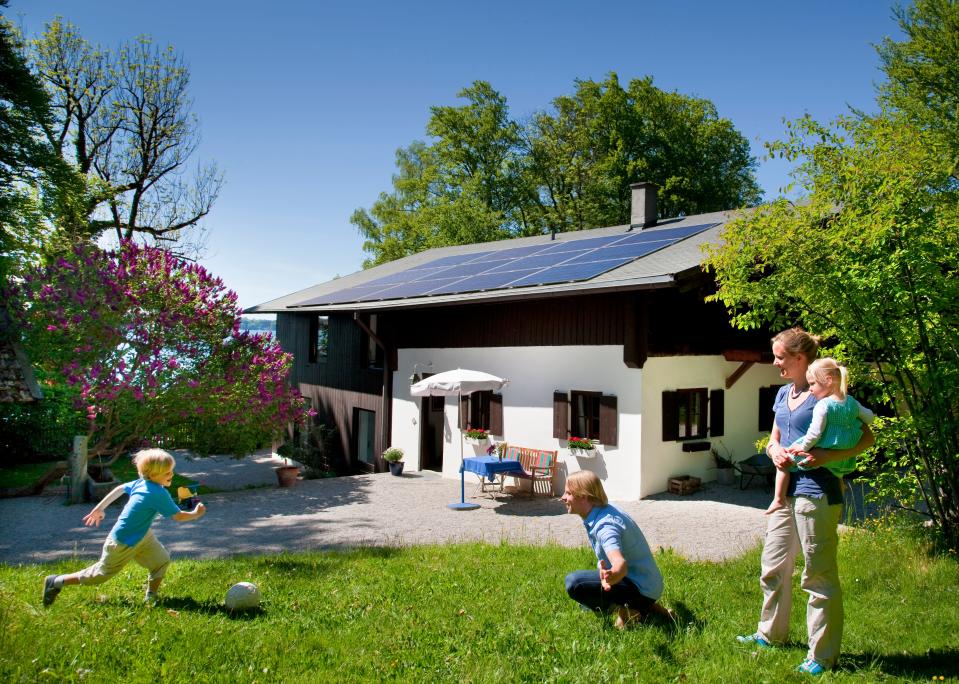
581 446
476 435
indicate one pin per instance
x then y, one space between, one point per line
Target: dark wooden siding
335 407
344 367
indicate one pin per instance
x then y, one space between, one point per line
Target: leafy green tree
35 183
486 177
923 70
870 259
124 120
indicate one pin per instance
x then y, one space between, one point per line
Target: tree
487 177
123 119
34 182
870 258
151 344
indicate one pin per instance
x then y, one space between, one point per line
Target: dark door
431 433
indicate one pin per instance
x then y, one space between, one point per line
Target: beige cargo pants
148 552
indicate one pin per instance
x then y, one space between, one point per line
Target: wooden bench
539 465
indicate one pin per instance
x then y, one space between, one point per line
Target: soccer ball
242 596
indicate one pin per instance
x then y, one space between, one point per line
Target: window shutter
670 416
716 413
464 412
560 415
767 397
496 414
607 420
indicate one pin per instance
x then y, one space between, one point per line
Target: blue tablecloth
490 466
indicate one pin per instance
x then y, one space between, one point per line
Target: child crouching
131 537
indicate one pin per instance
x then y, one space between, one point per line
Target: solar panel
541 264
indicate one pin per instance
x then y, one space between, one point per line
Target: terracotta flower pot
287 475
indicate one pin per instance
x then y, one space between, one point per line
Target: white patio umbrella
457 383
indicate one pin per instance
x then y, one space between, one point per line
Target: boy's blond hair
151 462
586 483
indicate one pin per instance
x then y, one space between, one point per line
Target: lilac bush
153 347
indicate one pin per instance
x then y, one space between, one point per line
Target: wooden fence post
78 470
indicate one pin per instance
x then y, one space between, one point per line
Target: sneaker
50 590
150 598
812 667
754 640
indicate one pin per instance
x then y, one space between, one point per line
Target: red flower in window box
479 434
581 443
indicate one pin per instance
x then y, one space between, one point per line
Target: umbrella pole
461 505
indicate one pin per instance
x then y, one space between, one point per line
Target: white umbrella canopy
456 382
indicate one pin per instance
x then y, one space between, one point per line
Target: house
602 333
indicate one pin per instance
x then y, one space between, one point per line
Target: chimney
643 211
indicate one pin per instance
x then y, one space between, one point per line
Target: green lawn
468 613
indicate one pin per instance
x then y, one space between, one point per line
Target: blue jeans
584 587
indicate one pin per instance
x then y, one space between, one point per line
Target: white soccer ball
242 596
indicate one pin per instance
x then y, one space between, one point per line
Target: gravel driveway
365 510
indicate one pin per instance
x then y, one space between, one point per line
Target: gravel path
716 523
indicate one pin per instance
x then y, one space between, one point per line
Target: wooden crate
684 484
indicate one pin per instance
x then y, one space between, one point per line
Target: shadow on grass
190 604
929 666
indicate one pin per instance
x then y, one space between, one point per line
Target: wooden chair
539 465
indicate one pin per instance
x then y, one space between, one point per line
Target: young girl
837 422
131 537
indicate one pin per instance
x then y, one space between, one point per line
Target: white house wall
534 373
663 460
640 464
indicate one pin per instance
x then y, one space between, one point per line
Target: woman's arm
775 450
818 457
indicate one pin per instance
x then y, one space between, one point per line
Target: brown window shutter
496 414
464 412
670 416
717 410
608 420
560 415
767 397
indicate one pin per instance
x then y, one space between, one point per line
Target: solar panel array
541 264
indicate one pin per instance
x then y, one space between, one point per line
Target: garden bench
539 465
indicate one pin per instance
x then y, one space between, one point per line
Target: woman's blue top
792 425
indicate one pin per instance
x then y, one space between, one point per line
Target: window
482 410
319 338
584 414
374 352
685 414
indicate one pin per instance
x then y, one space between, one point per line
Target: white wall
663 460
640 464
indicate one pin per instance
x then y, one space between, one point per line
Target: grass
123 470
469 613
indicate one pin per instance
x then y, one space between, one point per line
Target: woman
627 580
810 519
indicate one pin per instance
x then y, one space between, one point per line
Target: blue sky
303 104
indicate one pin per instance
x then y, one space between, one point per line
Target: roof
17 382
655 270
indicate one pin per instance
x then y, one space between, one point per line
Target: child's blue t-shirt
608 529
147 498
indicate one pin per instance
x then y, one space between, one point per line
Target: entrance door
364 426
431 433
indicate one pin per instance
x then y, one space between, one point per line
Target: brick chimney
643 211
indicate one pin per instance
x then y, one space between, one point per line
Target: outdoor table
491 468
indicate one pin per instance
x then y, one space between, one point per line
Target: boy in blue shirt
131 537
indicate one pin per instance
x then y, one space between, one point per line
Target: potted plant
394 459
287 473
761 444
724 464
476 435
581 446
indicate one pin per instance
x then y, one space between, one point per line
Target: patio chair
538 466
757 465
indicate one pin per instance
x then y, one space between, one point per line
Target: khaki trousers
148 552
812 525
